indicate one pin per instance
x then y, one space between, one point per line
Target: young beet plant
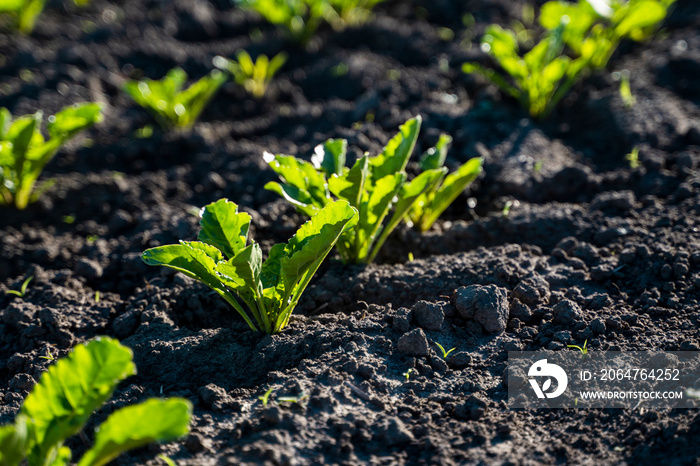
301 18
171 105
269 289
375 186
23 13
254 76
24 152
67 394
298 18
541 77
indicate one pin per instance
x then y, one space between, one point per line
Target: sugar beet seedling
24 152
375 186
67 394
172 106
271 289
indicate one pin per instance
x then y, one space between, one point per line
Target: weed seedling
582 349
223 261
266 397
73 388
166 460
172 106
254 76
407 374
97 296
23 289
293 399
509 205
48 356
24 152
625 89
444 353
633 158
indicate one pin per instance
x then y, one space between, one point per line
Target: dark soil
618 247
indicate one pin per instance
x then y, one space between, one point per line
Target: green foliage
24 152
432 203
375 186
23 289
301 18
254 76
270 289
171 105
66 396
541 77
23 13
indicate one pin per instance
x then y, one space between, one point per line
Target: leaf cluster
432 203
223 261
67 394
254 76
24 152
577 39
300 19
375 186
22 13
173 106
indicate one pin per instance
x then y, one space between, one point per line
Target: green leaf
409 194
136 426
435 156
307 249
71 120
641 15
395 155
351 184
242 272
13 442
295 196
224 227
301 175
67 394
455 183
194 259
330 156
373 210
5 122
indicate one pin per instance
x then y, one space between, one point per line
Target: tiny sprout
23 289
97 296
69 219
49 356
633 158
266 397
582 349
410 256
625 89
166 460
508 206
293 399
444 353
538 166
407 374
